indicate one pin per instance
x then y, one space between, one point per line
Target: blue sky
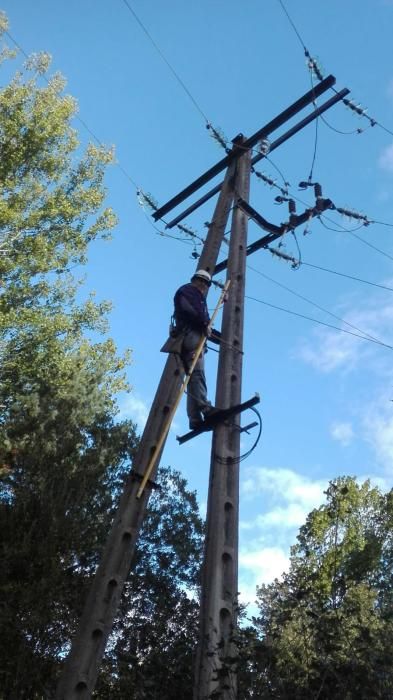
326 395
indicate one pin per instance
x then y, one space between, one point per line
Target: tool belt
175 340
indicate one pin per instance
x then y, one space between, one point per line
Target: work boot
195 423
210 412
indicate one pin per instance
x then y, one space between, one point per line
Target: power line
340 131
275 166
355 235
99 142
77 117
339 230
290 20
351 277
171 68
313 303
312 64
381 223
347 230
321 323
370 245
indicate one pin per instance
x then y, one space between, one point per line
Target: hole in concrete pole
110 590
225 630
227 576
228 523
82 689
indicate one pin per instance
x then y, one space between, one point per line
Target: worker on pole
191 322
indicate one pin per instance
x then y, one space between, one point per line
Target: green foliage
325 631
50 200
150 653
63 457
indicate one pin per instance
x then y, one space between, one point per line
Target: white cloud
267 563
385 160
135 408
328 350
285 485
342 432
259 566
379 433
265 540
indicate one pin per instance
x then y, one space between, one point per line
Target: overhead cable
321 323
313 303
313 67
351 277
76 116
164 58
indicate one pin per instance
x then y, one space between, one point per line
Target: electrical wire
339 131
164 234
285 181
333 128
310 177
290 20
338 230
381 223
371 120
161 53
77 117
370 245
355 235
342 229
351 277
321 323
313 303
241 458
296 266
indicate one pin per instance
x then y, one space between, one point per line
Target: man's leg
197 401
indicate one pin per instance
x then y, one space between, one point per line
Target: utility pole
215 674
80 673
215 670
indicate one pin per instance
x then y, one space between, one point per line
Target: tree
150 653
325 630
62 454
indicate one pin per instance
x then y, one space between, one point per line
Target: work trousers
197 401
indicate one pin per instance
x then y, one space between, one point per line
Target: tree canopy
326 629
63 452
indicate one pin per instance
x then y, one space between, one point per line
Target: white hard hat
203 275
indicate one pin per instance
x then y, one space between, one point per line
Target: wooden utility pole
215 670
81 667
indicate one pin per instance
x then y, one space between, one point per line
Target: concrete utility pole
215 673
215 670
82 665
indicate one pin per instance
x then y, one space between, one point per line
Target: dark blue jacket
190 308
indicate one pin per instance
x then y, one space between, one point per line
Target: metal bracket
217 418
